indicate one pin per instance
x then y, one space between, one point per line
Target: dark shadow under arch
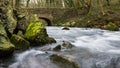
47 21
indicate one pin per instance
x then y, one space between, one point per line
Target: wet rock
63 61
6 48
49 40
36 33
57 48
63 45
67 44
65 28
19 42
111 26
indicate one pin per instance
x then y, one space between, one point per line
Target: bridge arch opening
47 21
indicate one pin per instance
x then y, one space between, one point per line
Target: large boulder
19 42
6 48
36 33
63 61
11 21
7 17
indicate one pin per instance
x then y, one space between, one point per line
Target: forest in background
79 4
93 13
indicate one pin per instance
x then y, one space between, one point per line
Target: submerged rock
19 42
63 61
36 33
111 26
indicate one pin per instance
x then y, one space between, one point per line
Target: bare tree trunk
63 4
17 4
76 3
27 3
101 7
87 5
108 2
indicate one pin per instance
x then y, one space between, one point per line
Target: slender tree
101 7
27 3
17 3
108 2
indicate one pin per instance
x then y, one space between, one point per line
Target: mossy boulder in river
6 48
19 42
111 26
36 33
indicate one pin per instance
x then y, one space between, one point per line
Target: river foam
94 48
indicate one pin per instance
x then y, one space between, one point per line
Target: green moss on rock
111 26
35 29
36 33
19 42
22 22
2 30
6 48
11 21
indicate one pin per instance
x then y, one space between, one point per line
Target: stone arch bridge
54 15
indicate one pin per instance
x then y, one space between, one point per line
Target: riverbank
93 19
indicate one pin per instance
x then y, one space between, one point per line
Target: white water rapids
92 39
94 48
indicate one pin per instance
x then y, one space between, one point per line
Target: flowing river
93 48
